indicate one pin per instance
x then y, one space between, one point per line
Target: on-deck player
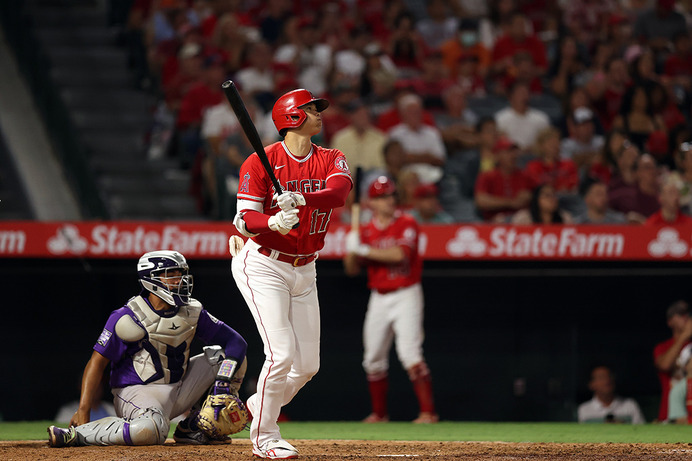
388 245
275 270
147 342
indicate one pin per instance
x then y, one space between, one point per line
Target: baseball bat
355 207
250 130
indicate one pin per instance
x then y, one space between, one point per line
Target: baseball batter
147 343
275 270
388 245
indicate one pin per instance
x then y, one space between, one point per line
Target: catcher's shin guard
149 428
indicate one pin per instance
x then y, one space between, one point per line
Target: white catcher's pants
171 400
283 301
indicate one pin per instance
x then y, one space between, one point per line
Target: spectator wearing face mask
465 44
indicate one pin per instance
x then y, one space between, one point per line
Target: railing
35 68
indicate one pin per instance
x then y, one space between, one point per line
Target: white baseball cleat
276 449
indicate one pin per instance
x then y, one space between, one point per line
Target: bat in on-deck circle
250 130
355 207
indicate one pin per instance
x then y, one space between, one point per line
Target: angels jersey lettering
295 174
403 231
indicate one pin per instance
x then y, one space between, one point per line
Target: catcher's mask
156 274
288 113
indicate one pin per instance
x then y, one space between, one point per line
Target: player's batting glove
289 200
283 221
354 245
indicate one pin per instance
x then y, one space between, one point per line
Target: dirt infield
357 450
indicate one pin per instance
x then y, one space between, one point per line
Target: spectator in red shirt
587 19
639 200
678 65
670 213
515 41
550 168
205 94
667 353
607 93
190 62
525 72
499 193
469 76
392 117
432 82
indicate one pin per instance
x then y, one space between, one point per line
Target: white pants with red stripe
283 301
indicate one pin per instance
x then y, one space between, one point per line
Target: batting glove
289 200
354 245
283 221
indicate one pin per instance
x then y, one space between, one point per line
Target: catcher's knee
149 428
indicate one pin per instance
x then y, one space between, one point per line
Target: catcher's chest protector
168 337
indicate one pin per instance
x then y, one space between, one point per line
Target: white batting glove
283 221
289 200
354 245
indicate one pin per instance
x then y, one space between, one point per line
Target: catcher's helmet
381 186
151 266
287 112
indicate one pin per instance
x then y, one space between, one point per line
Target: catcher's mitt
221 415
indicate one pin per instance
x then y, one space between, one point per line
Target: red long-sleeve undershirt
333 196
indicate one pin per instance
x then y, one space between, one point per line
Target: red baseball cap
504 143
381 186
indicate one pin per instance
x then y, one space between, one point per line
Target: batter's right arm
91 381
250 221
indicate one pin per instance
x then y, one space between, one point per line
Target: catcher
147 343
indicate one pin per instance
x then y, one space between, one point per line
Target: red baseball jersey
295 174
403 232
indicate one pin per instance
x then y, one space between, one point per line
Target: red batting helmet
287 112
380 187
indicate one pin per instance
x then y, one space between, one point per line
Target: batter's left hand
289 200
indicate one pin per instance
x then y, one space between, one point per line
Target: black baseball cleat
58 438
186 435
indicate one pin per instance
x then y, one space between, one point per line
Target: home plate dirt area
355 449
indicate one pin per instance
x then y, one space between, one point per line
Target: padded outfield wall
507 340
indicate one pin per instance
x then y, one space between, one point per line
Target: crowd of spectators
561 111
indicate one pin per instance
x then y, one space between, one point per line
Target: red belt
290 259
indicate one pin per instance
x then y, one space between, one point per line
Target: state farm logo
521 242
466 242
667 243
111 240
67 239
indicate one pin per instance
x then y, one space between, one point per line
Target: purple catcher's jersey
146 346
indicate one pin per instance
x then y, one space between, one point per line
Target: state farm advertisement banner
118 239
